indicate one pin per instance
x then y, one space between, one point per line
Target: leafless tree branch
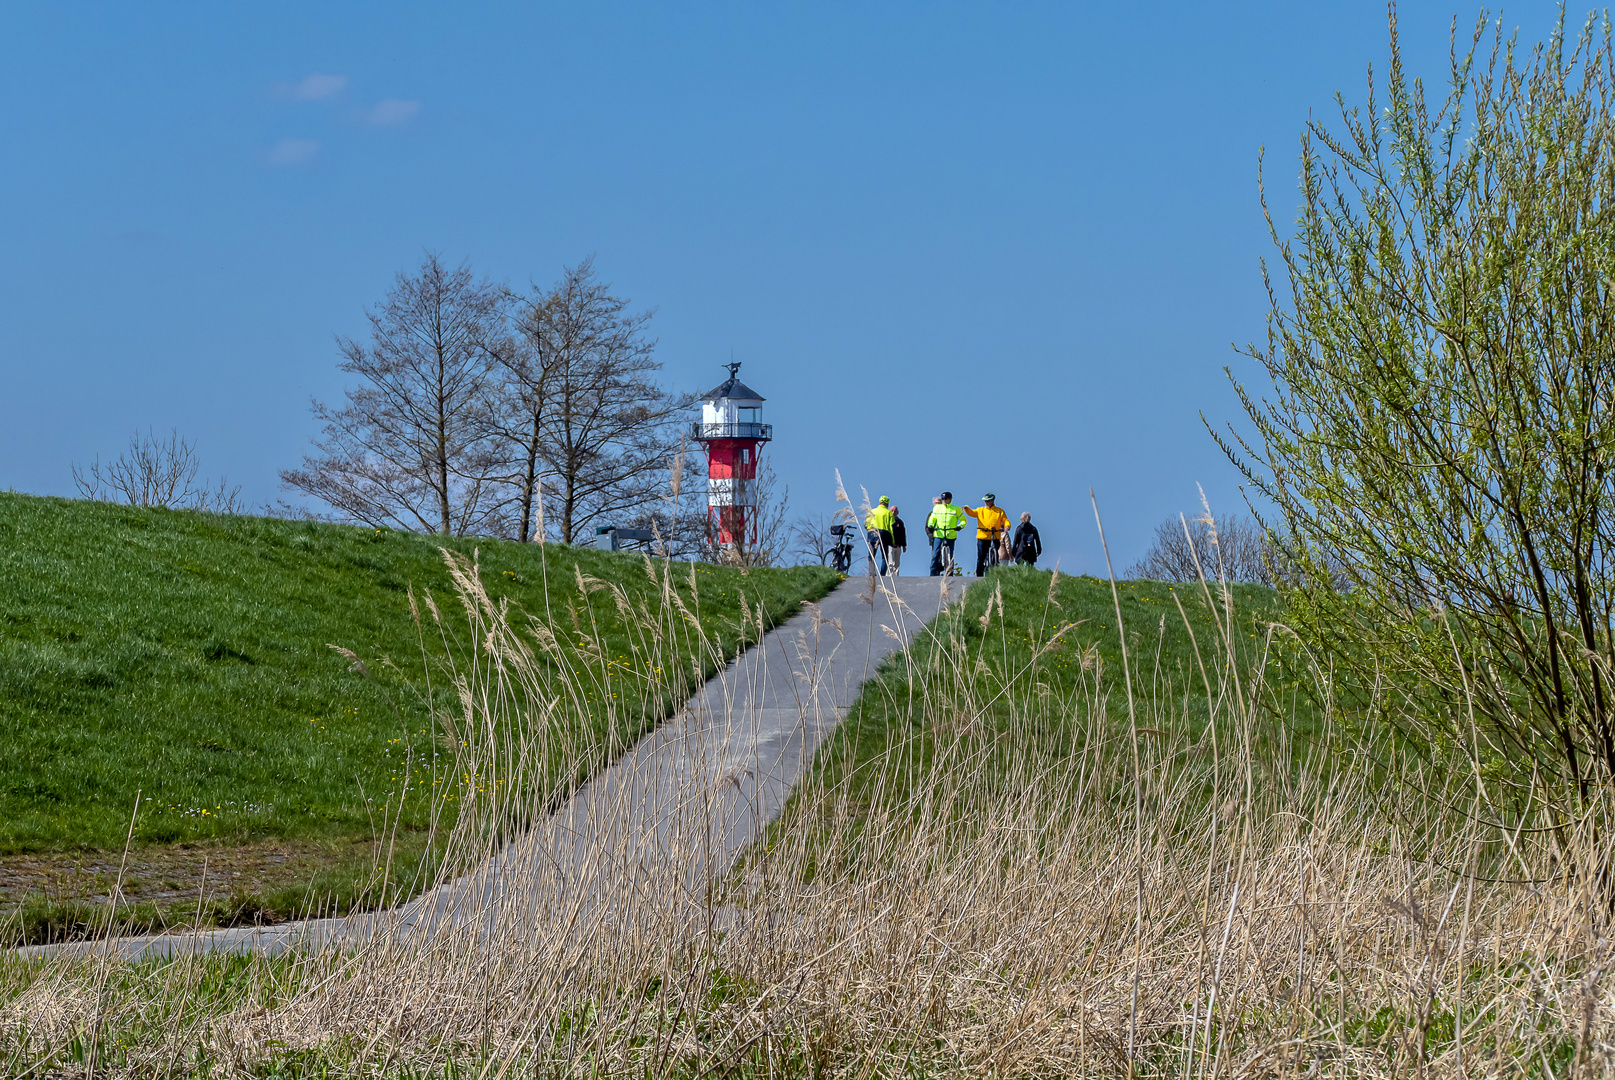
1231 547
582 411
153 472
412 447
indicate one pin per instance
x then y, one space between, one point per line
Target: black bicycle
991 562
841 551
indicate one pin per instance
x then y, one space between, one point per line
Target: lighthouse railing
701 430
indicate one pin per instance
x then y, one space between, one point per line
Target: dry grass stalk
1054 895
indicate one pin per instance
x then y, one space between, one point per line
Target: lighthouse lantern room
731 433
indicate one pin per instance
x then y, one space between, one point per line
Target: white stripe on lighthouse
728 491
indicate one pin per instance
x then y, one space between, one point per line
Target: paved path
666 818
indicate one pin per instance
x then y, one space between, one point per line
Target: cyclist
943 528
992 524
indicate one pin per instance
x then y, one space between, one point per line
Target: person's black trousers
984 548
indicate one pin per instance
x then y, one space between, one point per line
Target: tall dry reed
1028 881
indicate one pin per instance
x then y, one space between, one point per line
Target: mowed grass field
185 658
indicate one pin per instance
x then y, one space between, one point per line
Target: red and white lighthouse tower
731 431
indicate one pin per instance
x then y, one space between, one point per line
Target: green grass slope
184 656
1061 643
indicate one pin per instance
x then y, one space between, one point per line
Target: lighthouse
731 431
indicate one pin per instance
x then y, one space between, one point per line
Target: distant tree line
481 409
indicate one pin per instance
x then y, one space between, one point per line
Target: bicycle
841 552
992 559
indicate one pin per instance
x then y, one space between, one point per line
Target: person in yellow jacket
878 531
943 528
992 525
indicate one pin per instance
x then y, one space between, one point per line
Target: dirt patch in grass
62 896
167 873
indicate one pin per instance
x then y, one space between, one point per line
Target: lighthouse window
748 415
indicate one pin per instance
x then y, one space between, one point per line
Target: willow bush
1438 434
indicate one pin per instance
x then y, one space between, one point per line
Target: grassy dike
1055 636
185 658
1030 879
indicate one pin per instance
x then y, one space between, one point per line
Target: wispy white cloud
390 111
289 152
314 88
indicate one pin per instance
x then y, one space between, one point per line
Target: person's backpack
1025 546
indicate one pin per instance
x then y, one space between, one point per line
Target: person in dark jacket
1026 545
894 554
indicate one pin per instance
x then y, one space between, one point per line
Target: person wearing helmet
878 532
943 528
992 525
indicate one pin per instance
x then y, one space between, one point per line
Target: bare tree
770 510
1231 547
412 447
679 520
582 407
811 537
516 418
550 331
156 473
684 529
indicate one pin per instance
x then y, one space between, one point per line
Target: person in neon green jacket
878 531
943 528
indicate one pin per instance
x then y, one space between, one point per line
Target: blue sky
976 246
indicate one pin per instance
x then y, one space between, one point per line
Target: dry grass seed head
982 915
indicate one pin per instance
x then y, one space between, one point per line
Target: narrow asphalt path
669 816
